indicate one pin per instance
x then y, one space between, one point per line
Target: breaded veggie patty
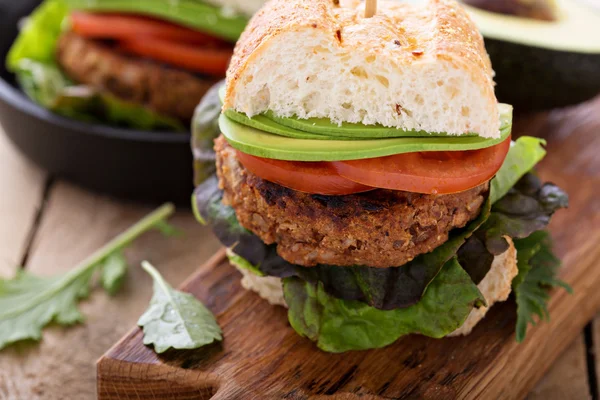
367 229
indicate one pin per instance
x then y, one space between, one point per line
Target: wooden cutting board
263 358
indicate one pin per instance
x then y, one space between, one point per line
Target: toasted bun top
411 66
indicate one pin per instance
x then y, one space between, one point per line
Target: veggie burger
366 177
143 64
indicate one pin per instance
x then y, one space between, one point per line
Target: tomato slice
427 172
309 177
118 26
204 60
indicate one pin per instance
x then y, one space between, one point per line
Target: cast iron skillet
145 166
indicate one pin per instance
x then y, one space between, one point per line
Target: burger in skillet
139 64
366 175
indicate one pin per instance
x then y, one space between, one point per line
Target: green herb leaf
176 319
29 303
38 39
538 270
114 270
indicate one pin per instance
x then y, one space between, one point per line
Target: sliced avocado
191 13
263 144
263 123
543 64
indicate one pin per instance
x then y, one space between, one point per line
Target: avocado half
541 64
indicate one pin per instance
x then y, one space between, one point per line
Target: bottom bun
267 287
495 287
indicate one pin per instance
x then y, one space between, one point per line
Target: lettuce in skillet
32 60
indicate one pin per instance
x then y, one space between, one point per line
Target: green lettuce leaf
341 325
523 155
39 36
538 271
175 319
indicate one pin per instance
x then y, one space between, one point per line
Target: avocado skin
537 79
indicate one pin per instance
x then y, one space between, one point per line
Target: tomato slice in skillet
309 177
436 172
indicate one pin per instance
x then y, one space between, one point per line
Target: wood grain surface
262 357
570 367
21 187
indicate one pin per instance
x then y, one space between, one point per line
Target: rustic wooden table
47 226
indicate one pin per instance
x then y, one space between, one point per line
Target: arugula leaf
29 303
538 270
342 325
176 319
114 270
